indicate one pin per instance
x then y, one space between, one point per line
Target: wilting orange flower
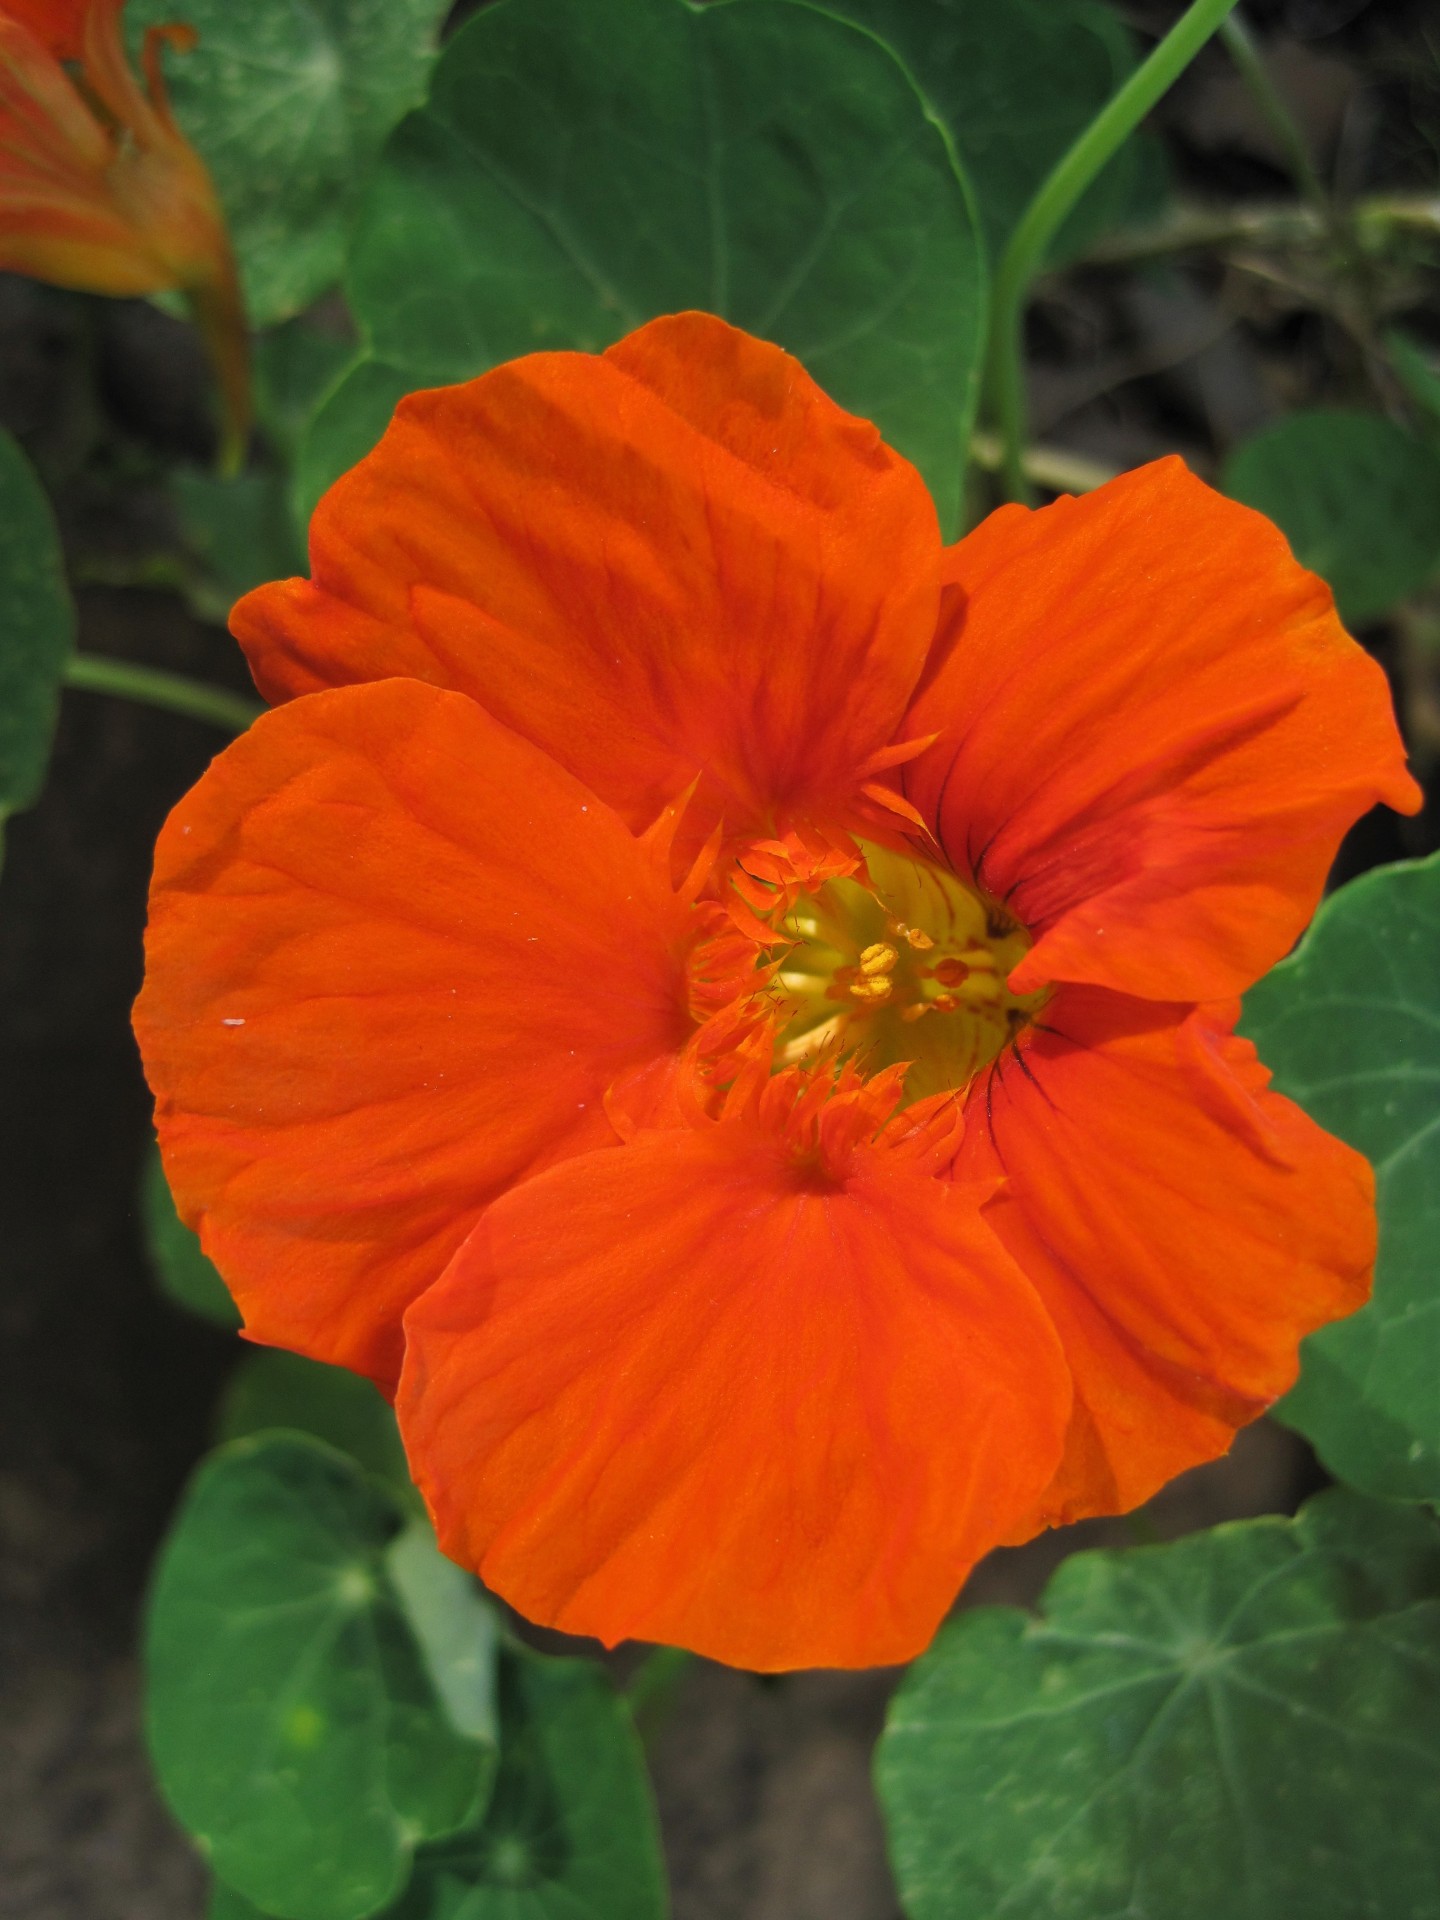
725 1004
99 189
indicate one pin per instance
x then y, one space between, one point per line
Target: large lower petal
395 958
683 1392
675 557
1153 732
1184 1226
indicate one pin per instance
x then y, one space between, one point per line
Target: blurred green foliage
1240 1723
37 631
1350 1026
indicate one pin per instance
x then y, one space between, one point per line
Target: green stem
1068 179
1250 64
1264 227
1053 467
154 688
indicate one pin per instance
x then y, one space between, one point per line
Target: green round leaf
455 1625
1015 85
1244 1723
295 1725
37 631
227 1904
570 1833
241 531
296 365
271 1389
289 105
346 426
571 1830
1356 496
582 169
1419 376
184 1273
1350 1027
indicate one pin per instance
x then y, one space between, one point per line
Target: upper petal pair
681 558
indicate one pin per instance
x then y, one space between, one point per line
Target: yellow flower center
911 967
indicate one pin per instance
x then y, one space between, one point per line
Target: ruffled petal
1184 1226
677 557
395 959
684 1392
1153 732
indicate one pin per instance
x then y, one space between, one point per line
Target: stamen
858 955
878 987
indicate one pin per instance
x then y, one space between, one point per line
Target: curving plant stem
1250 65
1067 180
152 687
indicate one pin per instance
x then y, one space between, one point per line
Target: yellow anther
879 959
915 1011
877 988
918 939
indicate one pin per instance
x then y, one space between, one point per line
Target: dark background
106 1391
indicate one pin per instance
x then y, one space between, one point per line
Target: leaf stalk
153 687
1068 179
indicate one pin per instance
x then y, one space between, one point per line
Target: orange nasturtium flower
100 190
724 1005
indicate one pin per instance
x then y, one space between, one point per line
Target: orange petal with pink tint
1153 732
395 959
1184 1226
685 1392
677 557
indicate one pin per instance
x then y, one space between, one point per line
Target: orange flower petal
395 959
1154 731
51 137
47 237
100 190
59 25
675 557
1184 1227
677 1392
